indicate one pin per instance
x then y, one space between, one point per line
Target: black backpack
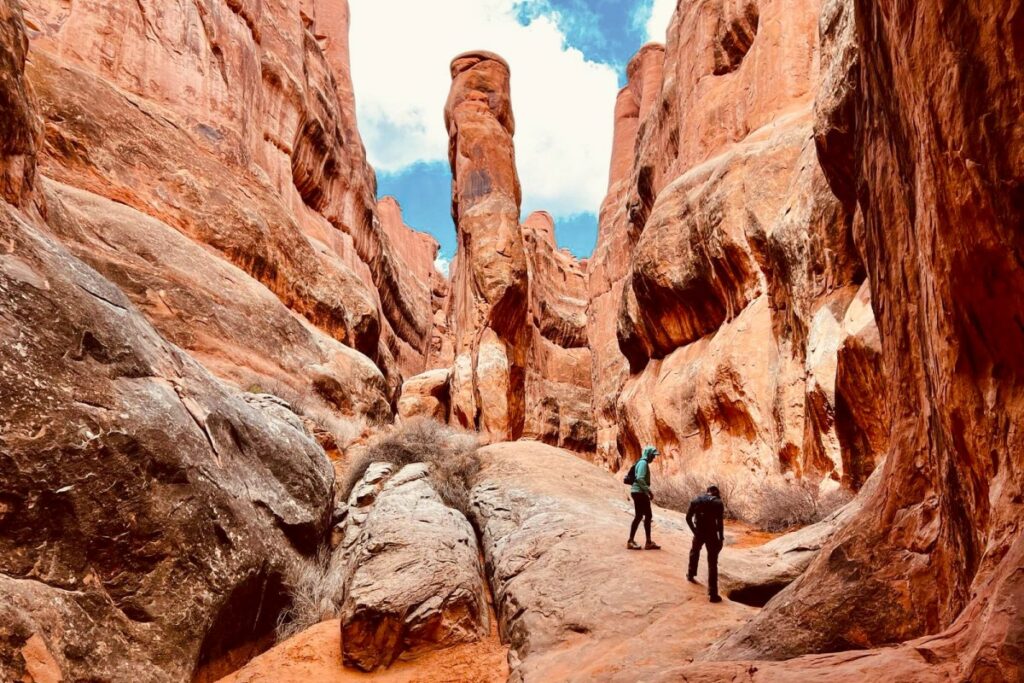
630 477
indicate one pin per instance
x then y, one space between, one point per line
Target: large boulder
426 395
413 579
149 513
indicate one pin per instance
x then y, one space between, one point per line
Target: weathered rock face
938 546
413 580
20 129
517 311
148 510
226 320
245 141
423 294
558 388
207 200
609 264
572 602
729 262
489 279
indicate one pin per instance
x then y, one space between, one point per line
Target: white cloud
661 15
563 104
442 265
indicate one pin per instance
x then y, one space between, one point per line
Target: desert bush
676 491
774 504
343 430
316 590
779 505
451 455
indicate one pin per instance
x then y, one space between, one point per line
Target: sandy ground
314 656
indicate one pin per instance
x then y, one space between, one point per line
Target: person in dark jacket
642 497
704 517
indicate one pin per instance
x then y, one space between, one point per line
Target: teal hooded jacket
643 471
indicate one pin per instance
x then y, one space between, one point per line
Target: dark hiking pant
642 510
714 546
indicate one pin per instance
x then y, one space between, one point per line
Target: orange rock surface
729 263
517 308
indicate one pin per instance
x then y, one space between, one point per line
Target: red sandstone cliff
729 262
926 132
187 221
244 141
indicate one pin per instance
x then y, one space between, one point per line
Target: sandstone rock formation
558 387
729 262
413 579
517 309
206 208
426 395
572 602
489 278
609 264
938 177
424 295
246 142
148 510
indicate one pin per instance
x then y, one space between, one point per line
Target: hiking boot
716 598
651 545
691 579
632 545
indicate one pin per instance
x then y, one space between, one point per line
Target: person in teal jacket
642 496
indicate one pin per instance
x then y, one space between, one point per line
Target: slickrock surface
572 602
413 579
938 547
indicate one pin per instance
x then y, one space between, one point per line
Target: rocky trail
574 603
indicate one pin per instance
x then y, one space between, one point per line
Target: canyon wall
923 141
738 294
233 124
188 224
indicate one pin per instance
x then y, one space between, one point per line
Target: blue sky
568 59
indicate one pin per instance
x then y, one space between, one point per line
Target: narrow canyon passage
248 427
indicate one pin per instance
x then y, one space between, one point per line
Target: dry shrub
451 455
773 504
343 430
316 589
782 505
